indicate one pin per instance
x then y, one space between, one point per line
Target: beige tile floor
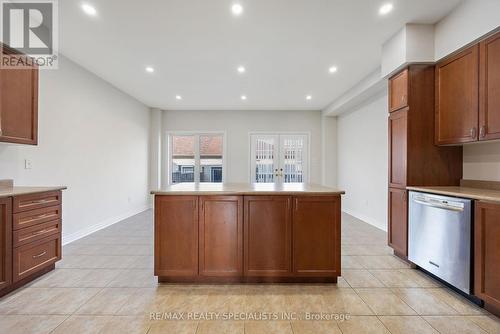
105 284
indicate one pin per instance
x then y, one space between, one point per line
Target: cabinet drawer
36 201
35 256
36 232
35 217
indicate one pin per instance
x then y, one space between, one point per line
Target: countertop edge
19 191
433 190
241 193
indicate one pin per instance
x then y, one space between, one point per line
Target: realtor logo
30 27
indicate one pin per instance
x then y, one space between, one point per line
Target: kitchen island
222 233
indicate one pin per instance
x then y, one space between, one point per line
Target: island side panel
316 236
176 236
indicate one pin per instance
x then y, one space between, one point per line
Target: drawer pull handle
45 215
40 255
39 232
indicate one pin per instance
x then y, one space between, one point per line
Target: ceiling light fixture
89 10
332 69
178 97
309 97
243 97
386 9
237 9
241 69
149 69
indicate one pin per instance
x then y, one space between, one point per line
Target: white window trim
167 161
274 133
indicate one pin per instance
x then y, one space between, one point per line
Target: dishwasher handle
439 205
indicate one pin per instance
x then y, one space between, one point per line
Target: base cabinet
487 254
221 236
398 221
316 235
5 243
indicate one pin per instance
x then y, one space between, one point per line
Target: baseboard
366 219
68 238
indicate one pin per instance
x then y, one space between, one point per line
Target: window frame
197 168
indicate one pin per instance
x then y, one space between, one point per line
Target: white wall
469 21
362 161
329 151
92 139
482 161
238 125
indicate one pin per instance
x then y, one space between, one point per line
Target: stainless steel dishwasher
440 237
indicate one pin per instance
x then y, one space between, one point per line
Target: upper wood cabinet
221 236
457 103
489 88
398 91
5 243
268 236
176 236
316 236
18 103
487 254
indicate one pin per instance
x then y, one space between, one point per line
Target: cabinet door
489 115
398 221
398 140
398 91
487 253
5 243
176 236
457 104
221 236
19 105
267 236
316 236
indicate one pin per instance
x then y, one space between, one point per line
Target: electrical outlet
27 164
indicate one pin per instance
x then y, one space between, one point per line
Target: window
196 158
279 158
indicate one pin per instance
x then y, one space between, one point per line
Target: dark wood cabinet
5 243
457 102
398 132
18 103
268 236
221 236
489 88
414 159
398 91
176 236
398 221
487 254
316 236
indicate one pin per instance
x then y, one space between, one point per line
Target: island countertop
246 189
18 191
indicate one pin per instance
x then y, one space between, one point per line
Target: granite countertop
465 192
16 191
246 189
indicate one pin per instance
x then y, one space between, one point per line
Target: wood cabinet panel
489 89
36 201
176 236
316 236
221 236
35 256
5 243
457 98
267 236
35 217
36 232
18 104
398 140
487 254
398 221
398 91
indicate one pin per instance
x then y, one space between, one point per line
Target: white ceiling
196 46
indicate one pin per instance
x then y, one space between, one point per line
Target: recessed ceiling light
241 69
149 69
237 9
386 9
178 97
309 97
243 97
89 10
332 69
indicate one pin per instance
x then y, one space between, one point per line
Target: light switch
27 164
